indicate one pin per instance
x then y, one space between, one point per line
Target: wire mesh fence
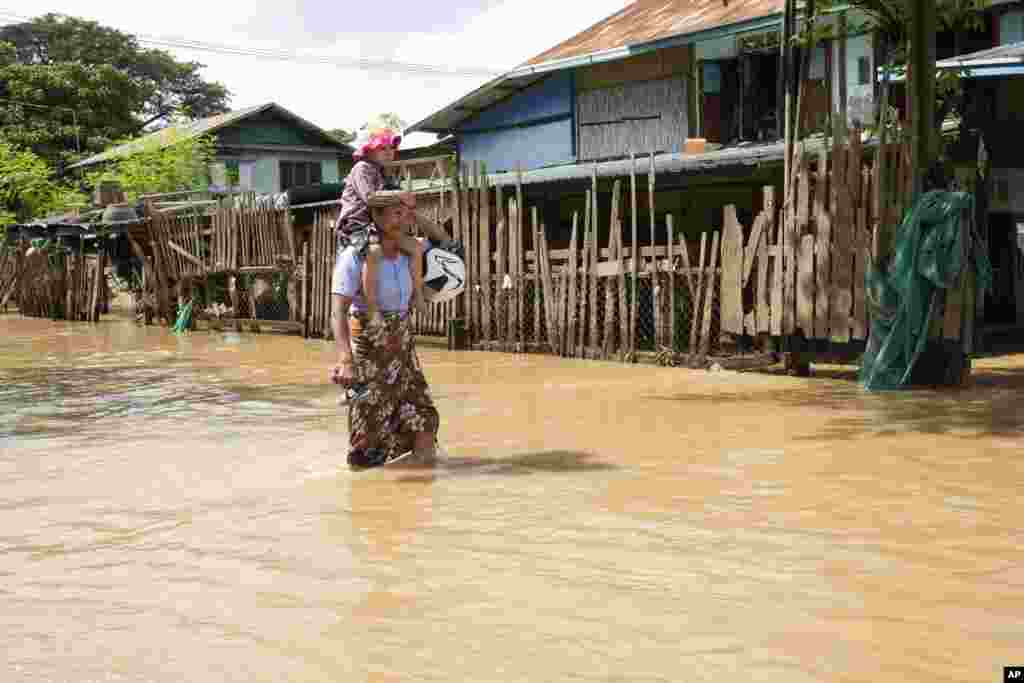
253 296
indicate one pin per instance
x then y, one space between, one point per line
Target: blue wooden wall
533 128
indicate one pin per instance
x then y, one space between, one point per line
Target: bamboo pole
653 266
573 274
709 298
305 288
501 301
636 290
581 343
671 283
485 253
549 300
695 317
594 258
520 258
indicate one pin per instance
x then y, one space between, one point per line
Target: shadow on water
547 462
987 407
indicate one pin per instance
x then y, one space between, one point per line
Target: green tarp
928 259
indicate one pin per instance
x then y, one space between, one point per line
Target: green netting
928 258
184 321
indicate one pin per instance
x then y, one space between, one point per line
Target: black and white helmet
444 275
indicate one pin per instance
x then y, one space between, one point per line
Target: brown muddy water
179 509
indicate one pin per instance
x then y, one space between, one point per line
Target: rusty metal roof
645 21
643 26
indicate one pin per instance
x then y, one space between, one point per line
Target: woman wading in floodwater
390 411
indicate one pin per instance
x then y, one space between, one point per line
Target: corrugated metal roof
210 124
644 26
1009 53
645 21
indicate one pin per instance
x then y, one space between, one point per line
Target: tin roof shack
264 149
686 80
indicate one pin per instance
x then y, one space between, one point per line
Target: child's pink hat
375 138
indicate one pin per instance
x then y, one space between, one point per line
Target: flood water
179 509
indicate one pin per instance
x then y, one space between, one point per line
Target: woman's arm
339 324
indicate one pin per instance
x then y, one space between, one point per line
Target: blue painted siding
533 128
550 97
532 147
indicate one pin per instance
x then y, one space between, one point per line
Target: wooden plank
466 232
516 251
805 286
635 293
655 280
534 237
316 258
862 245
585 281
305 289
789 246
550 308
671 238
822 248
620 284
751 248
594 259
841 282
573 274
777 274
501 252
763 294
184 254
609 284
485 256
732 273
701 278
520 249
709 298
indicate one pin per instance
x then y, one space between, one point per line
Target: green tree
386 120
115 87
28 188
341 135
169 161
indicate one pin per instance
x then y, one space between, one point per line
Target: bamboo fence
800 271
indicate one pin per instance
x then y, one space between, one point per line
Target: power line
366 64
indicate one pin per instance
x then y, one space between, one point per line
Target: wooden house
696 83
263 149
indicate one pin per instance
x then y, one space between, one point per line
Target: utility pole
922 90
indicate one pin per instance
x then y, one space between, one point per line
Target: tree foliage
386 120
168 162
27 186
889 21
341 135
114 87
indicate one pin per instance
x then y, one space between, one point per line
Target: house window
863 71
816 69
1011 27
300 174
712 78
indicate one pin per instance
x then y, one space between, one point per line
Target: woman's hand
344 373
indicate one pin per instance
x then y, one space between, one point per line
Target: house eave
528 75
